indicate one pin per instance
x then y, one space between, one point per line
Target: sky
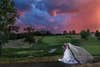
59 15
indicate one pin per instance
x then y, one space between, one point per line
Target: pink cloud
86 17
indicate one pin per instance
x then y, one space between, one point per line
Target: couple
75 55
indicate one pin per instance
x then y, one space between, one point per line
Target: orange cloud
86 17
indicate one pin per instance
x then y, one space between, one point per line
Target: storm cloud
60 15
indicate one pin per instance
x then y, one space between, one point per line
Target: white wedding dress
68 58
74 54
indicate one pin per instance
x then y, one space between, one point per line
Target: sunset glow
60 15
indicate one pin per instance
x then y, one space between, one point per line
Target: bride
68 58
75 55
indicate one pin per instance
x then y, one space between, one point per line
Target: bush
84 35
3 38
97 34
98 38
29 39
75 42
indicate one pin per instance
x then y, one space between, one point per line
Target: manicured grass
51 42
55 39
93 49
92 45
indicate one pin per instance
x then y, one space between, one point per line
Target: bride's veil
80 54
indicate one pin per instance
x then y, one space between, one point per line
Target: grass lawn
92 45
48 43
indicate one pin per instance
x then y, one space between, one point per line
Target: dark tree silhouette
84 34
97 34
14 28
29 36
65 32
48 33
74 32
88 32
70 33
7 17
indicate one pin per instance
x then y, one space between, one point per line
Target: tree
70 33
97 34
7 17
73 32
84 34
14 28
48 33
88 32
37 33
29 37
65 32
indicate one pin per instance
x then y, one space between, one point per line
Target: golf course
48 49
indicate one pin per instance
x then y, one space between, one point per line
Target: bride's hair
65 45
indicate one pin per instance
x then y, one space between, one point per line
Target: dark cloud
68 14
23 4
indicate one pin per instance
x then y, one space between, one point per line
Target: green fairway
48 43
92 45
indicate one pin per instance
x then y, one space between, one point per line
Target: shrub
30 39
97 34
75 42
84 34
